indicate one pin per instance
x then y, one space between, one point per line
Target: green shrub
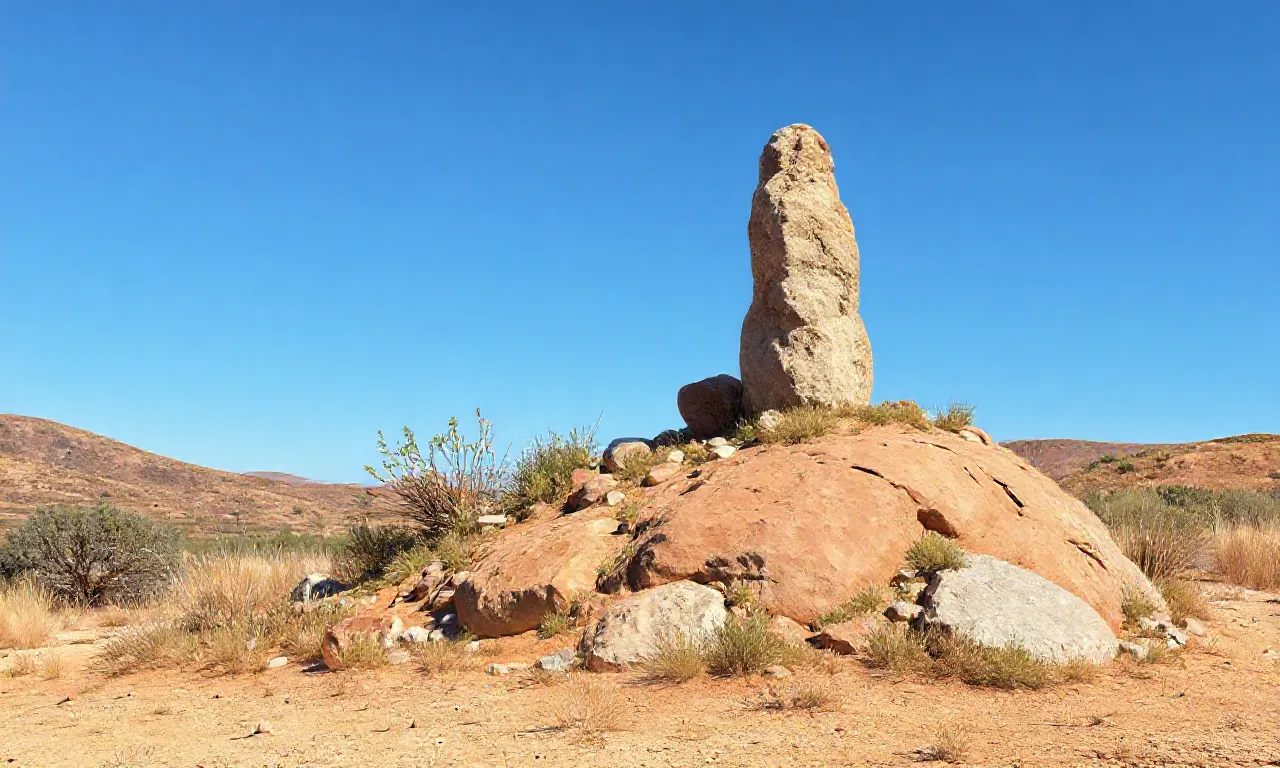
636 464
371 549
956 417
1009 667
1135 604
934 552
746 431
905 412
95 556
543 471
743 646
868 601
449 488
800 424
1124 466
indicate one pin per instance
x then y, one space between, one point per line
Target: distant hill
43 462
1245 461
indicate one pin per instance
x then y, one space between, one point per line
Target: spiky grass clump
443 658
543 471
800 424
147 646
954 417
28 616
553 624
676 658
744 646
904 412
1008 667
871 599
1136 604
636 464
590 707
896 648
1184 599
934 552
1163 539
949 746
363 652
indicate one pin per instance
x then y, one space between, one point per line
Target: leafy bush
454 484
742 646
934 552
636 464
1163 540
372 549
542 473
797 425
95 556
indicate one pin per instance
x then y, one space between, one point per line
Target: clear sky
250 234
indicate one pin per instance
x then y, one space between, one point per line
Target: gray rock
802 339
901 610
676 457
556 662
712 406
614 498
316 586
1136 651
498 669
277 662
776 671
632 629
497 520
616 454
998 604
415 635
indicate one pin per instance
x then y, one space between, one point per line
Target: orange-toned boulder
385 628
815 523
534 569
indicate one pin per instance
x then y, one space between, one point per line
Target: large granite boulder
711 407
632 629
998 604
802 340
534 569
812 524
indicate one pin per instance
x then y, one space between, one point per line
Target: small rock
716 442
316 586
969 436
616 454
669 437
901 610
473 646
776 671
1135 651
435 567
556 662
498 520
676 457
1148 625
398 656
277 662
264 726
388 637
415 635
661 474
498 669
1271 655
436 636
588 488
722 451
1195 627
976 435
614 498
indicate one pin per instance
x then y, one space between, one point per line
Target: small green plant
955 417
676 658
744 646
455 551
446 490
934 552
1124 466
746 431
1008 667
94 556
554 624
694 453
543 471
1108 458
409 563
800 424
868 601
1135 604
636 464
739 594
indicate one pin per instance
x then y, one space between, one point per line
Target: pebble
614 498
675 457
901 610
415 635
723 451
776 671
264 726
277 662
1195 627
1134 650
398 657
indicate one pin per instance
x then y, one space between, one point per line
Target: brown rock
802 340
848 637
616 454
588 488
817 522
661 473
711 407
384 627
533 570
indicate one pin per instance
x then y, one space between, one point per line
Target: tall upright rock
802 340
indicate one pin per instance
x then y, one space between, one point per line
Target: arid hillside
1245 461
43 462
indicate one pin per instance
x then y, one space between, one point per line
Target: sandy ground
1218 704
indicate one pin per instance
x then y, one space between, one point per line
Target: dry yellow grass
28 616
224 589
591 707
1249 556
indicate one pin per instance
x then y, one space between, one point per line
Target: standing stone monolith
802 340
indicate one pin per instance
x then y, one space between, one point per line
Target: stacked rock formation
802 340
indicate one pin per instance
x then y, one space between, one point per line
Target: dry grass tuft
817 695
28 616
591 707
53 666
746 646
949 746
956 417
23 664
1249 556
437 659
871 599
363 652
896 648
1163 539
1009 667
934 552
676 659
235 588
147 646
1135 604
800 424
905 412
1184 599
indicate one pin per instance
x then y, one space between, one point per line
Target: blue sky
248 235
